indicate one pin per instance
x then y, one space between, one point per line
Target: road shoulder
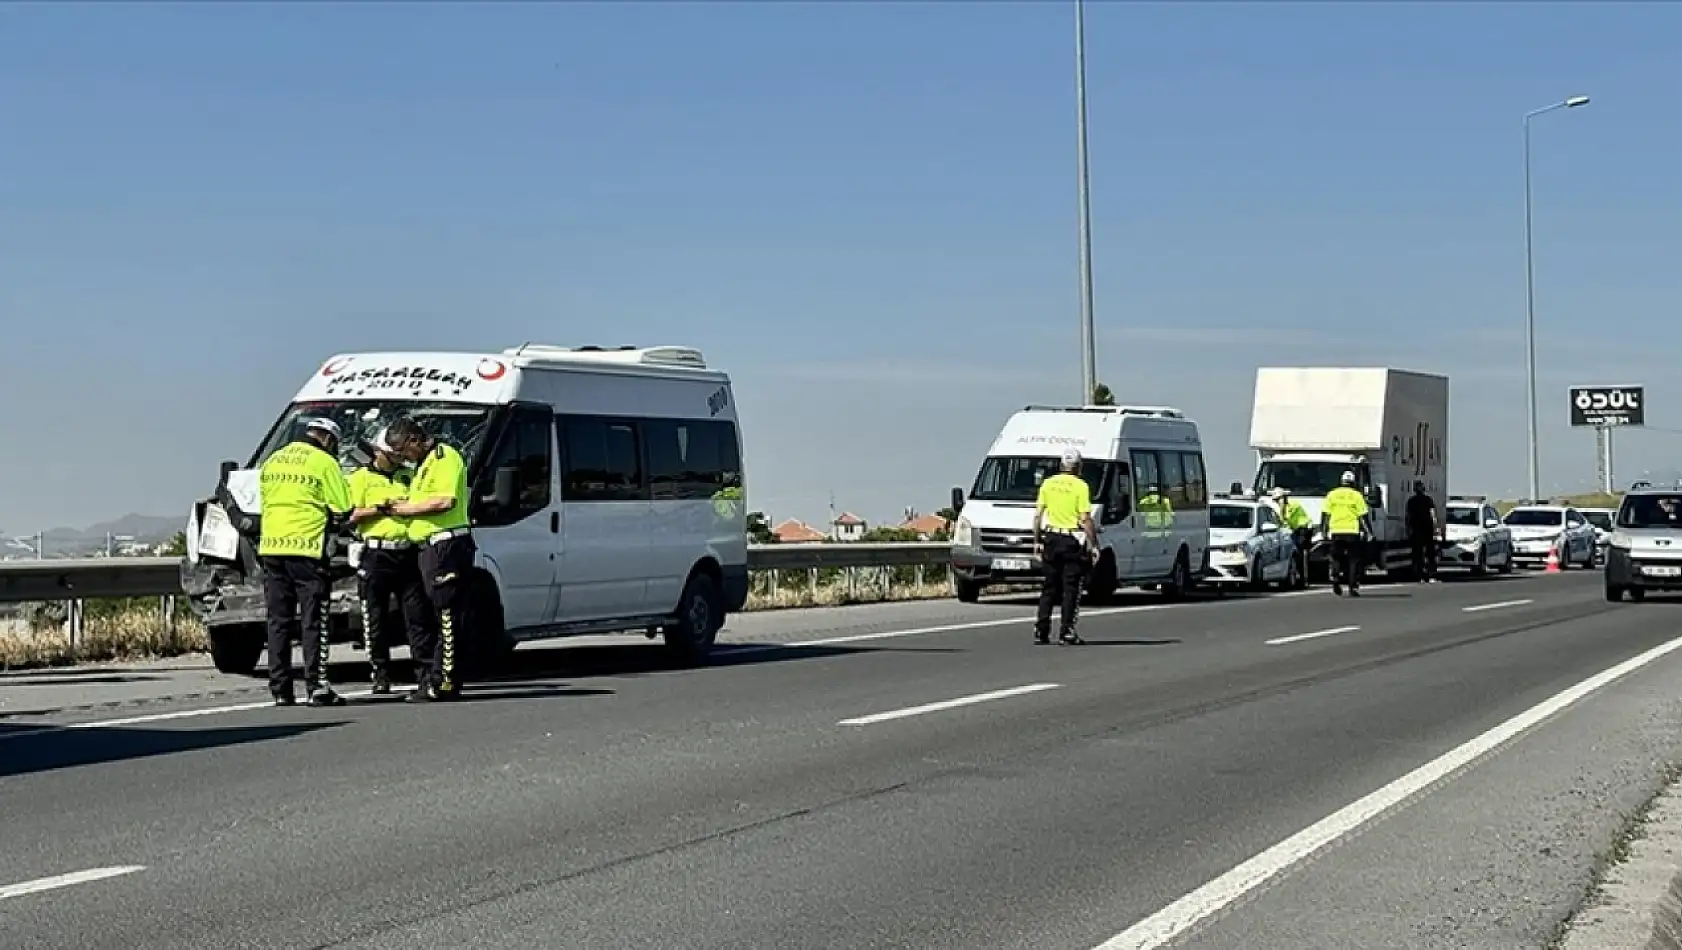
1637 901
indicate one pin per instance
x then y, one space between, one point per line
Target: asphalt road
924 779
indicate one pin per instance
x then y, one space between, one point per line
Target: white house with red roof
847 527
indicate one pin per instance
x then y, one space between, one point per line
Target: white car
1602 519
1249 546
1537 528
1476 537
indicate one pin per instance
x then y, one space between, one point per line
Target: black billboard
1608 406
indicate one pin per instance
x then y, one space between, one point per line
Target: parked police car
1249 546
1475 537
1537 528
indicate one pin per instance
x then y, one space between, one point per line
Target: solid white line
1504 603
948 704
1309 636
1182 915
66 880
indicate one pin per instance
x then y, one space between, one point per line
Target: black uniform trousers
445 567
295 597
1065 564
1303 538
1346 560
383 574
1424 553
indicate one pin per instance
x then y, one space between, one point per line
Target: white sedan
1537 529
1248 546
1476 537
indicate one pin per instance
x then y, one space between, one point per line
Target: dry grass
130 634
140 633
835 595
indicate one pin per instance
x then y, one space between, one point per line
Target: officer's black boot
323 695
381 681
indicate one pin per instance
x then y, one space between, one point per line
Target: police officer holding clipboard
437 512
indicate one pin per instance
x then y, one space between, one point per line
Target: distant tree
947 514
176 546
1101 395
759 529
884 535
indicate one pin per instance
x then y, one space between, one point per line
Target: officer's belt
378 544
1071 532
442 536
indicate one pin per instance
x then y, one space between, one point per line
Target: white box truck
1389 427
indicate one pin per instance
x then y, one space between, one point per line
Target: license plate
1661 571
1012 564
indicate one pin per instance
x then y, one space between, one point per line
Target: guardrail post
169 614
812 585
74 621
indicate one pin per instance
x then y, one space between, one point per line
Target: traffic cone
1553 559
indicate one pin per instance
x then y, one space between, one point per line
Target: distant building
847 527
796 532
926 526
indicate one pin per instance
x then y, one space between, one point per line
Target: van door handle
554 522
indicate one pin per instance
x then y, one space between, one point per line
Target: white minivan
608 493
1150 498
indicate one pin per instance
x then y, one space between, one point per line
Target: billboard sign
1608 406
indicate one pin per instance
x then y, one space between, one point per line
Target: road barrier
94 578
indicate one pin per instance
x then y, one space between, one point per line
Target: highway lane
120 690
729 806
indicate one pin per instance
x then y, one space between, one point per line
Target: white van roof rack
1479 499
648 356
1161 412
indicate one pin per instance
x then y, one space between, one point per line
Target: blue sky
865 212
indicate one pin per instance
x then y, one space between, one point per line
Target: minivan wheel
1179 582
700 615
235 648
968 592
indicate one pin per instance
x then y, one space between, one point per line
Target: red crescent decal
335 366
491 369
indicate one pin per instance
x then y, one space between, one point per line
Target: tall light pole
1088 354
1530 292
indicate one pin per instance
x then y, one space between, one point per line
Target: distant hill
68 542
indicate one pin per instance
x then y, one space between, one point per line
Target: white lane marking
948 704
1309 636
66 880
1182 915
165 716
1497 606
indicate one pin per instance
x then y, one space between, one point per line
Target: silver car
1645 550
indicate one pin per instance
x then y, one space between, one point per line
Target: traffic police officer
388 563
304 497
1344 521
1297 522
437 509
1062 522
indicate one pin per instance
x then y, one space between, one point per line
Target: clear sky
865 212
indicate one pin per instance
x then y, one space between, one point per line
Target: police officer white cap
1071 458
322 424
1277 494
1349 478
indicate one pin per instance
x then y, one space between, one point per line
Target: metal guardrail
92 578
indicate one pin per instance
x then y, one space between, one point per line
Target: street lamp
1088 356
1530 290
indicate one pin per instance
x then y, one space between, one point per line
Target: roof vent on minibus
653 355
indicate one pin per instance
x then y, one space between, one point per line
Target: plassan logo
491 370
335 367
